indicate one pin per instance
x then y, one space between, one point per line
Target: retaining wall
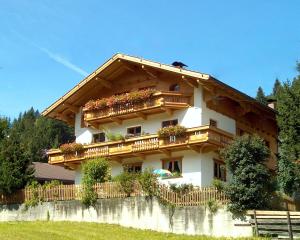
136 212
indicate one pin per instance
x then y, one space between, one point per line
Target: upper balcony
158 102
200 139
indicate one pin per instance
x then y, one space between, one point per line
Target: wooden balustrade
144 145
155 104
195 197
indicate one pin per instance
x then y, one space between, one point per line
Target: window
174 88
219 170
168 123
133 167
172 164
212 123
134 131
99 137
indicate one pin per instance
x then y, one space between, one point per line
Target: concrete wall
134 212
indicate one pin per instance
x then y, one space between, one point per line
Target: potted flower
172 133
71 148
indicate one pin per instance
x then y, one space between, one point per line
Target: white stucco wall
196 168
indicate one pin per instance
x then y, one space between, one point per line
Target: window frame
213 123
217 171
127 166
93 137
170 122
165 161
134 134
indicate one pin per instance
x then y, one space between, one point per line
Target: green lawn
88 231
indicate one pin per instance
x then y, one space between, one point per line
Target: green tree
15 169
261 97
276 88
4 125
250 184
288 119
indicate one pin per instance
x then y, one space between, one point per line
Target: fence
276 223
195 197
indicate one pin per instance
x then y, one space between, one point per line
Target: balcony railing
156 104
148 144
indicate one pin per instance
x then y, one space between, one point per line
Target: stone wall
136 212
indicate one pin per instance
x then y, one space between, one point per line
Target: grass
83 231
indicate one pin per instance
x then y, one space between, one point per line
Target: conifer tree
261 97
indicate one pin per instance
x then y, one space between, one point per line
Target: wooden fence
276 223
196 197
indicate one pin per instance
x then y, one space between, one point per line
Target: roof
45 171
118 59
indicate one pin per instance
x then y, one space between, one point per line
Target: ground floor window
219 170
172 164
133 167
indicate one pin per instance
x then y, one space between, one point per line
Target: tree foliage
94 171
24 141
250 184
288 119
261 97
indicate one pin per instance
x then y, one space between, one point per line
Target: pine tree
288 118
276 88
261 97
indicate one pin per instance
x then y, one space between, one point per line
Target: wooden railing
145 144
196 197
159 99
275 223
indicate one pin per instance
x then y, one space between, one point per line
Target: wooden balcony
159 103
200 139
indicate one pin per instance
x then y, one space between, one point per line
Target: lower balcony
200 139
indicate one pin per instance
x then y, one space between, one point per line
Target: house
125 129
44 172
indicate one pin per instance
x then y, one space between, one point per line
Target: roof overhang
57 109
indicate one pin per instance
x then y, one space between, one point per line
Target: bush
71 147
33 186
182 188
177 131
115 136
250 185
212 206
94 171
127 181
218 184
148 182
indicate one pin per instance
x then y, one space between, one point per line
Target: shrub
177 131
250 185
115 136
212 206
127 181
71 148
94 171
218 184
148 182
182 189
33 186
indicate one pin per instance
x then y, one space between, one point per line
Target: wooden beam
167 152
195 148
116 120
73 108
71 166
149 72
142 115
140 155
169 111
105 83
190 82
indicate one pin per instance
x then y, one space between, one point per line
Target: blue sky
46 47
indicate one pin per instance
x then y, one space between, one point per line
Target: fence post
289 225
255 223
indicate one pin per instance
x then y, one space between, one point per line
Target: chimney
272 103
